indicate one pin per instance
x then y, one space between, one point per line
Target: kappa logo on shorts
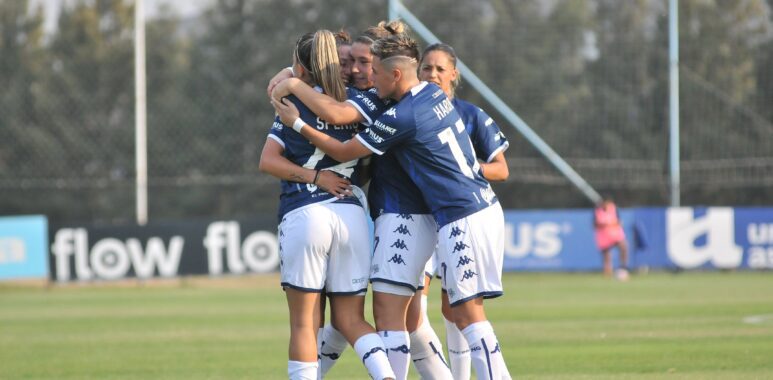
460 246
403 229
405 216
397 259
451 292
456 231
399 244
374 268
464 260
468 274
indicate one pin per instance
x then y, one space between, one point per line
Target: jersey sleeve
487 139
368 104
389 129
277 131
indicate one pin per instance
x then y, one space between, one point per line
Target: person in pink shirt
610 234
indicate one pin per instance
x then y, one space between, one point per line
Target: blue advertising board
686 238
23 251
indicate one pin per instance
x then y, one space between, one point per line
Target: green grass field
551 326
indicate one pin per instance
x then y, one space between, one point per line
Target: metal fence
589 76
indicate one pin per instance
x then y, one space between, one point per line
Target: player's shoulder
466 107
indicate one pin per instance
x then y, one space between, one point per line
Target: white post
673 58
141 152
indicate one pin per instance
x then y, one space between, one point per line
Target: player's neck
403 87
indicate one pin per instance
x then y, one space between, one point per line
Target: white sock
398 351
485 352
301 370
458 351
427 353
331 344
371 350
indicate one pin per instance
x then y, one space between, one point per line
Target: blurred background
589 76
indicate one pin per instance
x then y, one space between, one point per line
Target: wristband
298 125
316 177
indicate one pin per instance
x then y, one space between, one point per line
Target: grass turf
550 326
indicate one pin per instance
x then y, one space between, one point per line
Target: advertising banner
23 252
82 253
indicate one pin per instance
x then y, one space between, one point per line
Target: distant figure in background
610 234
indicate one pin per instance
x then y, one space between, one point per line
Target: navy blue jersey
298 150
487 139
390 190
429 140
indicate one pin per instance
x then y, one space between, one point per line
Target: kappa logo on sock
402 349
371 352
496 349
331 356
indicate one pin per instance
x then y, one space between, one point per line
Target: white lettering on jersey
443 108
368 103
383 127
376 138
277 126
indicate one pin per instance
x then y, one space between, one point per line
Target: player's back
439 156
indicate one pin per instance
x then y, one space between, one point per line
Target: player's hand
286 110
283 88
334 184
278 78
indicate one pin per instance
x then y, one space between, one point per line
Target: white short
430 270
402 245
325 246
471 251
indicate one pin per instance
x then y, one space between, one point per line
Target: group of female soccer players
433 209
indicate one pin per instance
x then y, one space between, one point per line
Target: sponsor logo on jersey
487 193
437 93
374 136
367 102
383 127
277 126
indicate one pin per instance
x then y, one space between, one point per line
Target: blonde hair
317 53
398 46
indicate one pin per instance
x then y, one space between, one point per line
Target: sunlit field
551 326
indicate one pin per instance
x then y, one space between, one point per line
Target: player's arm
495 170
325 107
339 151
285 73
274 163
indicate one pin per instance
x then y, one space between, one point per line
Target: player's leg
304 323
405 243
303 266
471 266
458 349
426 349
347 282
606 258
